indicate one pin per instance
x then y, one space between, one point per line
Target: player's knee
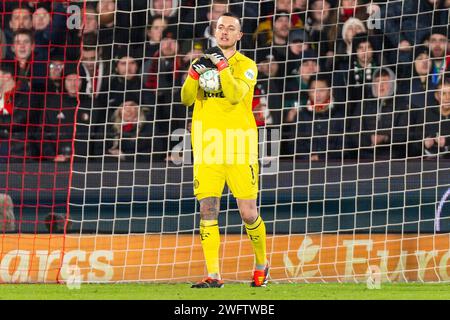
249 217
248 211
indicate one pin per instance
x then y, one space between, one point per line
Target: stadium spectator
7 218
20 113
105 35
321 26
301 65
59 120
437 123
297 85
297 94
106 10
134 15
21 18
206 30
416 83
126 82
90 21
41 23
162 80
60 32
259 107
343 59
421 83
7 85
3 45
94 71
22 49
296 19
299 6
196 52
408 22
319 123
121 23
440 59
298 44
278 38
72 37
269 88
249 13
94 74
163 70
129 132
350 28
55 73
365 59
154 35
386 20
294 7
378 126
164 8
352 9
31 4
109 33
178 17
30 78
354 79
291 6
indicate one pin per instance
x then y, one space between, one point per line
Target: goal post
101 188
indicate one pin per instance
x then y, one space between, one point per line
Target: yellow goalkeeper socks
257 234
210 237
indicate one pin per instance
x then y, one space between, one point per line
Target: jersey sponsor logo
213 94
250 74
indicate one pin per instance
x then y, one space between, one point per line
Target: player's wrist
193 74
222 65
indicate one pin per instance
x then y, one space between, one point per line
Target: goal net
96 169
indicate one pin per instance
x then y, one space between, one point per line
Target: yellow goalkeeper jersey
223 126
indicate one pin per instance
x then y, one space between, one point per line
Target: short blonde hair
117 120
7 219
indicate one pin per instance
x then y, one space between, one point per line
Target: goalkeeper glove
217 57
199 67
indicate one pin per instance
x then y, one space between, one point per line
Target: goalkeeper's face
228 32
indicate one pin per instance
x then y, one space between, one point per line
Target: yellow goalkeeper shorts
242 179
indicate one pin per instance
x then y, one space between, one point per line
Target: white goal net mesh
352 105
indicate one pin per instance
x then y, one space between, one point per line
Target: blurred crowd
339 79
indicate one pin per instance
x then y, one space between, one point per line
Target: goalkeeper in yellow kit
225 147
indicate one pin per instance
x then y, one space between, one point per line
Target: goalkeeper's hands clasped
199 67
217 57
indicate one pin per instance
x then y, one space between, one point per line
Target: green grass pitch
231 291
